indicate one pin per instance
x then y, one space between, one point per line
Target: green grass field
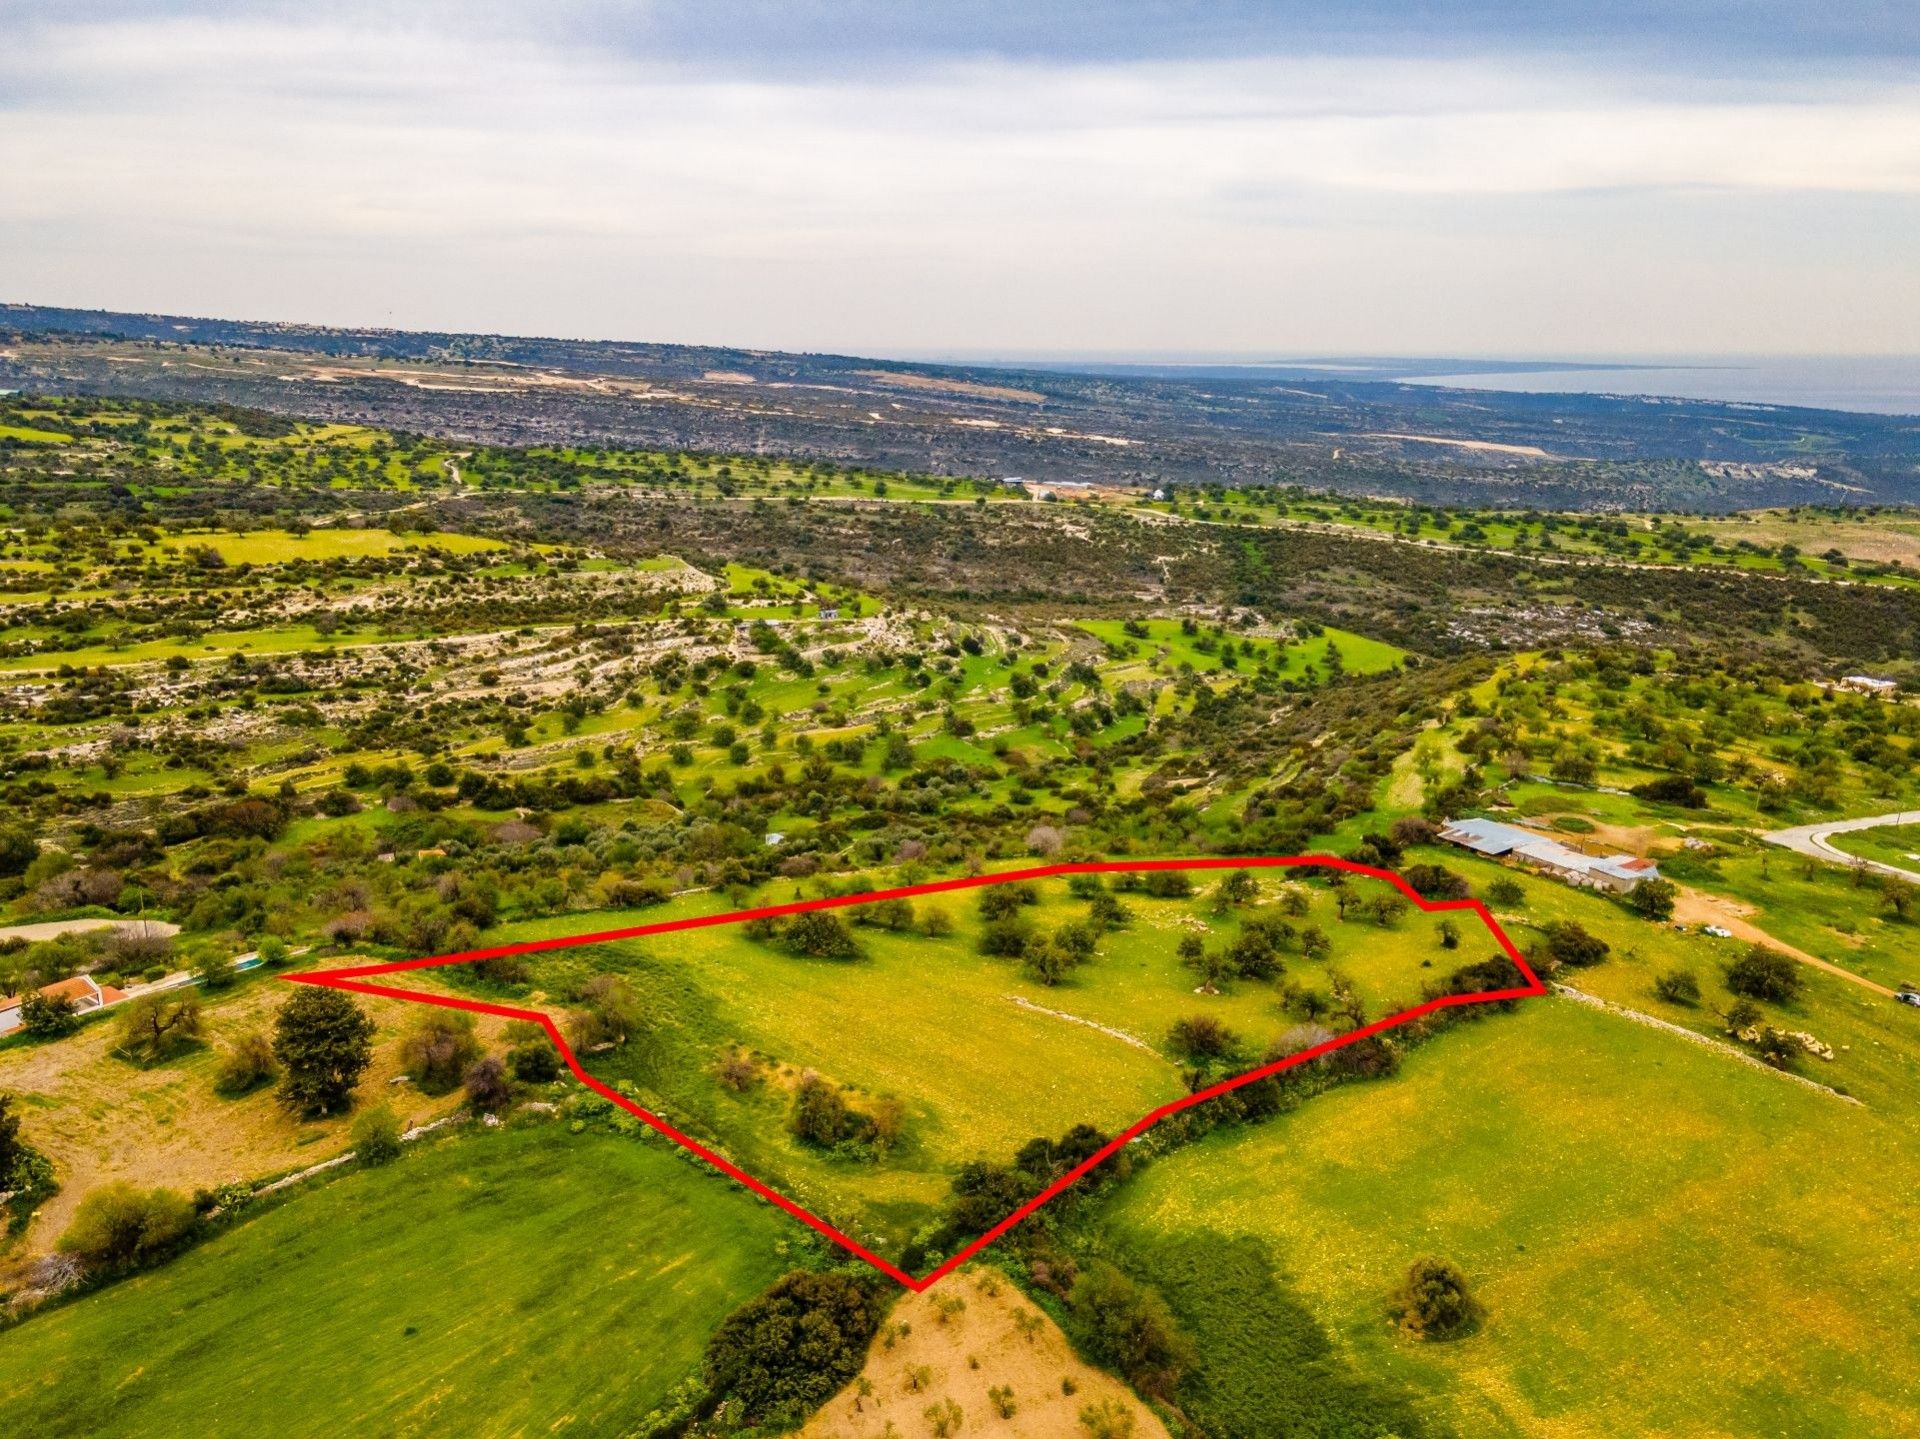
1894 844
279 547
531 1281
1668 1242
1166 647
949 1031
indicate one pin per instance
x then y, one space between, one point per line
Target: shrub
1107 1419
1434 1302
1201 1036
376 1135
48 1016
785 1352
1678 986
1006 938
534 1061
1763 973
819 1114
1506 892
1569 944
1046 960
487 1088
437 1049
324 1043
1168 884
888 914
18 851
1129 1328
1671 789
998 901
635 893
1435 881
119 1226
1777 1047
609 1011
821 934
247 1064
1238 888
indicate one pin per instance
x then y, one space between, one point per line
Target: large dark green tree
324 1043
786 1352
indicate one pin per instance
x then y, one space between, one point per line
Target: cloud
614 172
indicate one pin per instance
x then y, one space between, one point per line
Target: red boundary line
353 979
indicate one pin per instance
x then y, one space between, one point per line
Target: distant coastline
1863 384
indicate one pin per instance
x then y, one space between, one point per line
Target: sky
1004 177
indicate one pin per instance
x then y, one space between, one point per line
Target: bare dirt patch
1691 906
1483 446
953 387
960 1357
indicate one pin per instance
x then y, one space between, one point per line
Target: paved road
1811 839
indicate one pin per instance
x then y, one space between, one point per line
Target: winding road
1811 839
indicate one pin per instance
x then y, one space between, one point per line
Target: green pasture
1666 1241
279 547
961 1038
524 1282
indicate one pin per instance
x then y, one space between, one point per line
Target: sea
1868 384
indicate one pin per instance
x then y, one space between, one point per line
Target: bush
635 893
1434 1302
1129 1328
1168 884
998 901
821 934
819 1114
438 1048
1672 789
1506 892
376 1135
1201 1037
609 1011
784 1353
119 1226
1107 1419
18 851
487 1088
247 1064
1569 944
1678 986
534 1062
1763 973
1006 938
1434 881
48 1016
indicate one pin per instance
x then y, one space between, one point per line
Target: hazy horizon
1497 178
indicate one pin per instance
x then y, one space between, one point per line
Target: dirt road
1690 906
